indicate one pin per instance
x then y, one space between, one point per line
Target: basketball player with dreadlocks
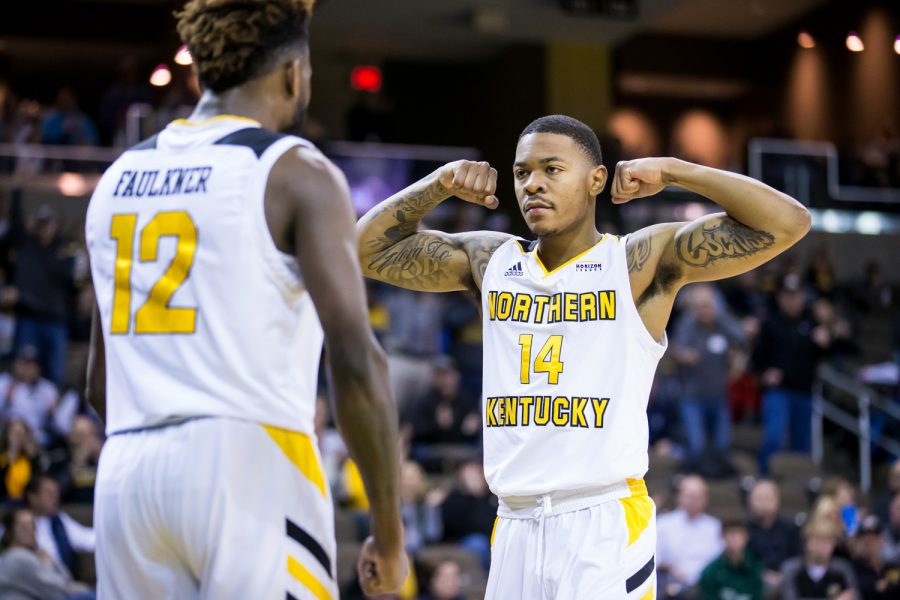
574 325
223 250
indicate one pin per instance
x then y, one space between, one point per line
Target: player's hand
474 182
379 573
638 179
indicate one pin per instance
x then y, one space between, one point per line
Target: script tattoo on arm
637 253
723 240
416 261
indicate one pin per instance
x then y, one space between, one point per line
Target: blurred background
775 415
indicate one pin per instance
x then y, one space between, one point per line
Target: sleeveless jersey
568 366
201 314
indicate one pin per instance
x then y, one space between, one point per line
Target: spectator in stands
445 582
26 571
43 286
58 534
773 539
25 395
844 495
65 123
818 574
877 579
18 459
891 551
444 415
128 89
826 315
786 356
873 292
421 519
705 339
736 573
827 509
469 511
80 469
680 564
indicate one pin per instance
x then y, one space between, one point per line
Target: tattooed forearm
637 253
726 239
407 210
417 261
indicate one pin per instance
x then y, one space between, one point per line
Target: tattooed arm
758 224
394 250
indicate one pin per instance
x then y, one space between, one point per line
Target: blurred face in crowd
471 479
791 302
445 581
24 535
823 311
45 500
819 547
84 433
703 305
868 546
735 542
26 370
17 436
692 495
446 382
764 500
47 229
556 183
412 482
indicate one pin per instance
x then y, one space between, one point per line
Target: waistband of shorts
555 503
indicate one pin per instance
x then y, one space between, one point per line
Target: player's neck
556 249
236 102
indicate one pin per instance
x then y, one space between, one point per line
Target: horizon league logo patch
515 271
588 267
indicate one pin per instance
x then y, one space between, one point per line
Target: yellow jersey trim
299 449
638 509
301 574
549 272
494 530
214 119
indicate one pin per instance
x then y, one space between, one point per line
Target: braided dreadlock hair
233 41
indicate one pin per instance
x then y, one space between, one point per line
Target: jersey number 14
155 315
547 361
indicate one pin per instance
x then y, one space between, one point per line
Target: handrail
859 425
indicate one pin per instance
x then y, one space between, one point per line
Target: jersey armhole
657 348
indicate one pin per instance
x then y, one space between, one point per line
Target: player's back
201 314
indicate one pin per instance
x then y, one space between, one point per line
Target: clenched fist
474 182
638 179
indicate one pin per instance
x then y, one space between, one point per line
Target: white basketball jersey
201 314
568 366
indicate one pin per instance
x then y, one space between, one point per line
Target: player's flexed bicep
392 249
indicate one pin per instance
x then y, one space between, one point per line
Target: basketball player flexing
574 325
217 248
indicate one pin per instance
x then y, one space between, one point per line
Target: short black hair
580 133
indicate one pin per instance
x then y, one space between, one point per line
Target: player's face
555 183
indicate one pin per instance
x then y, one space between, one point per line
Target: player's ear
599 175
293 77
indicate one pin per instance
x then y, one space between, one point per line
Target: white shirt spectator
705 542
81 538
31 403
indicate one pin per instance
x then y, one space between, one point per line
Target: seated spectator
18 459
26 571
443 415
680 564
773 539
878 580
468 512
736 573
817 574
421 519
445 583
58 534
65 123
704 342
25 395
828 509
85 443
891 551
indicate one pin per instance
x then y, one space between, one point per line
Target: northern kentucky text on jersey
555 308
180 180
559 411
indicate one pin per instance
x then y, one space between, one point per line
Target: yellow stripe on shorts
650 595
299 449
301 574
638 509
494 530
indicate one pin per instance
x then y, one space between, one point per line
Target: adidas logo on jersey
514 271
587 267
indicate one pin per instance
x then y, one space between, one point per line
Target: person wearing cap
878 579
42 287
735 573
786 355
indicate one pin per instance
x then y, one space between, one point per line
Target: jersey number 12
155 315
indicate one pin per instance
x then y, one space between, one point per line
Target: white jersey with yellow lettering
202 315
568 366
